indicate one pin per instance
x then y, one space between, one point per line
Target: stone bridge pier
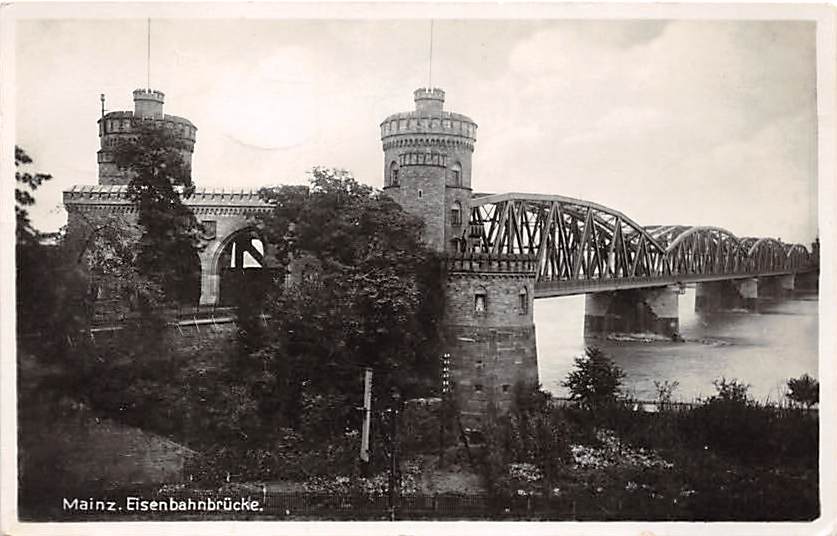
778 286
742 293
807 282
727 295
648 310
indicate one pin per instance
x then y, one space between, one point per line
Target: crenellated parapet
429 122
220 201
125 122
487 263
203 201
428 125
118 126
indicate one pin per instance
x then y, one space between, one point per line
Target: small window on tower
456 213
478 387
456 174
393 174
524 301
419 194
480 301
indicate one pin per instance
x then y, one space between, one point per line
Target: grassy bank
167 424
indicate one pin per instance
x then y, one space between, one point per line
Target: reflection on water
763 349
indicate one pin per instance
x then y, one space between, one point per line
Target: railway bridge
580 247
503 250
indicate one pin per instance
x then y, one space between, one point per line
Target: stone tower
114 126
488 323
427 167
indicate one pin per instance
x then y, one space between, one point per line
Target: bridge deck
552 289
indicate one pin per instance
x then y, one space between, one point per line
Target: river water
762 349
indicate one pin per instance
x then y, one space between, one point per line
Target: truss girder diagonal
575 240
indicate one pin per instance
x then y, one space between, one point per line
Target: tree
732 391
24 197
665 392
168 247
537 433
804 390
370 297
596 380
50 291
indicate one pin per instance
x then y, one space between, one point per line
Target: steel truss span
577 242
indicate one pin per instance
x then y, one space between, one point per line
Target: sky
670 122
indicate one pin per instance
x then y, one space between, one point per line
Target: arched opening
456 213
456 174
393 174
241 268
523 299
480 301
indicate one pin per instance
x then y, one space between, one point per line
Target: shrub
731 423
731 390
804 390
665 391
596 380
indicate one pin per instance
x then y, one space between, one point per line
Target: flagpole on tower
430 61
148 57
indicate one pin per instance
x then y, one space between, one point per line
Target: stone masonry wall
652 310
502 297
421 192
222 213
493 349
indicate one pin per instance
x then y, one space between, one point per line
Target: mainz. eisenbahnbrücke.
503 250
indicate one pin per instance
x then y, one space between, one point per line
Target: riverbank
621 465
722 458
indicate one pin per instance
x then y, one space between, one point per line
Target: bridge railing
492 262
570 286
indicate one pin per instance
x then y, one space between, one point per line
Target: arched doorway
241 268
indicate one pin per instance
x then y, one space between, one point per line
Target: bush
731 390
532 439
804 390
732 424
290 457
596 381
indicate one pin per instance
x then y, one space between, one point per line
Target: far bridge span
580 247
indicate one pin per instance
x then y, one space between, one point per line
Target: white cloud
683 121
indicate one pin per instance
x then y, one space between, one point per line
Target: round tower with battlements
119 125
427 167
488 325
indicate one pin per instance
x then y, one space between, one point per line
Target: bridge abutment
489 332
651 310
